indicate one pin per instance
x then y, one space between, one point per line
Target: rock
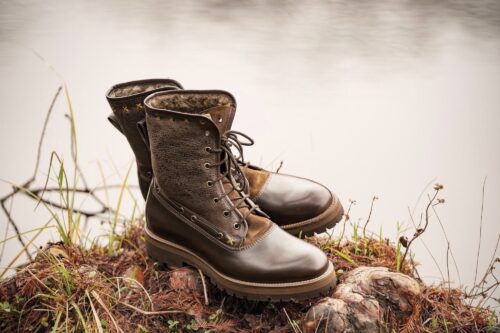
186 279
135 276
360 303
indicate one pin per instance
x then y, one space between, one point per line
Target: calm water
369 98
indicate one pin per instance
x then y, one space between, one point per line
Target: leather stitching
327 272
206 234
315 219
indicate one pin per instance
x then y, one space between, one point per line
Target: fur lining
137 88
191 101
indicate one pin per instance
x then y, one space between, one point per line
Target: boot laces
231 172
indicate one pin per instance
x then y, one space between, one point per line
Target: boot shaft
127 102
185 145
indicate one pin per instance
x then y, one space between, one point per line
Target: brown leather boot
198 213
127 102
298 205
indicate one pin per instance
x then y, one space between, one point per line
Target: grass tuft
66 288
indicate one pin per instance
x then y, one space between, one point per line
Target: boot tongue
257 224
222 116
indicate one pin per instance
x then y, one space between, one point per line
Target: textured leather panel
289 199
276 257
178 145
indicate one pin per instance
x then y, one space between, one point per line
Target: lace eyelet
207 165
220 120
220 235
181 209
193 218
208 149
216 200
202 122
210 183
226 213
236 226
207 133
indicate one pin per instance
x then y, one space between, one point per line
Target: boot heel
161 255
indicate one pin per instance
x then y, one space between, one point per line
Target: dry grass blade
24 249
105 308
117 211
94 312
205 294
149 313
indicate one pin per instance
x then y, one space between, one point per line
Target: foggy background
369 98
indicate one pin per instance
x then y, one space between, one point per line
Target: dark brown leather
258 251
178 144
276 256
289 199
286 199
126 101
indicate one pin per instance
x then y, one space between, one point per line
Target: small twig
101 303
449 245
480 288
420 230
279 167
148 313
294 325
74 210
425 245
369 215
16 229
96 316
480 231
347 217
421 195
204 286
7 225
37 193
25 249
35 171
482 292
448 266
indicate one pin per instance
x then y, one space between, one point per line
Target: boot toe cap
289 199
284 258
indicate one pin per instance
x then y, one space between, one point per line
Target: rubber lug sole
327 220
173 255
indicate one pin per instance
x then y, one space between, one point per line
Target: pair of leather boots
209 208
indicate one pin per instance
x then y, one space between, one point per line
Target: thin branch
480 231
479 289
16 229
420 230
7 225
347 217
28 183
204 286
369 215
449 244
39 149
279 167
425 246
